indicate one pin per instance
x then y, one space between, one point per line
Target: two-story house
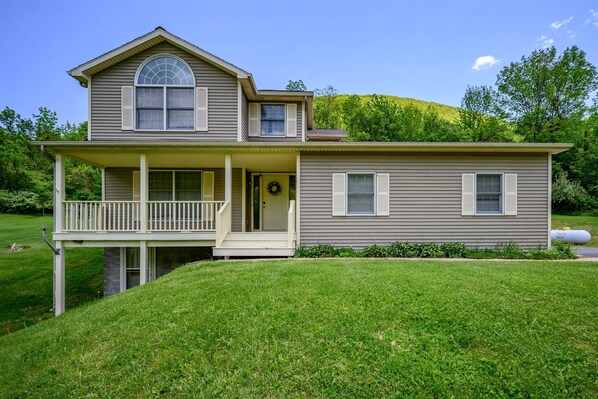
195 158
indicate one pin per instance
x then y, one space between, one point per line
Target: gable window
164 95
272 120
360 194
489 197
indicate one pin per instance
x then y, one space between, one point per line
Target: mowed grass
588 223
26 275
334 328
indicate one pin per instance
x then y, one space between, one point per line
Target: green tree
479 114
327 108
296 85
544 90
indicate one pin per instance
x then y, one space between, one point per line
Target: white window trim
135 85
375 211
284 133
502 194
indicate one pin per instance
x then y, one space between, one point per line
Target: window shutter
254 120
510 194
382 194
201 113
291 120
136 186
207 189
126 102
338 194
468 194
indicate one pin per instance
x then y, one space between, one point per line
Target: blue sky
420 49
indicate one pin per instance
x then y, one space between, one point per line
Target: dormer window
164 95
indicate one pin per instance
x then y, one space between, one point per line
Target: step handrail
291 224
223 223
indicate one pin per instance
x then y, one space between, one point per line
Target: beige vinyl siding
281 138
106 99
425 200
119 187
244 118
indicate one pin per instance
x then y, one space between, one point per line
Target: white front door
275 201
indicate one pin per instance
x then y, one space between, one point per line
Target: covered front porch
238 203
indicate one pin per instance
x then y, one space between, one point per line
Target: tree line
545 97
26 174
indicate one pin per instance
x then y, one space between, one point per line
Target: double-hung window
361 194
174 185
272 119
164 95
489 196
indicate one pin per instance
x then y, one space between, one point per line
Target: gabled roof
157 36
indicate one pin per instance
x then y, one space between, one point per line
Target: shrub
347 252
542 253
570 195
428 250
402 250
317 251
510 250
21 202
479 253
453 250
564 248
375 251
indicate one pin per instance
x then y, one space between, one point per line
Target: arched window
164 98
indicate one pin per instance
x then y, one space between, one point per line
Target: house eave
134 146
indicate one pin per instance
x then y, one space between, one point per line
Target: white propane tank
572 236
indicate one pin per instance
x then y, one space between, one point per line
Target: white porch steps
255 244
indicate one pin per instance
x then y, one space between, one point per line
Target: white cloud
484 62
545 42
558 24
593 13
571 34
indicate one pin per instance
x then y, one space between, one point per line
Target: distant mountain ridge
447 112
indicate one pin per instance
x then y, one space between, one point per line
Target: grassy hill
447 112
328 328
26 275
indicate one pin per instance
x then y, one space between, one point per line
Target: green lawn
589 223
26 275
317 329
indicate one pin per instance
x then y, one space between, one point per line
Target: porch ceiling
178 158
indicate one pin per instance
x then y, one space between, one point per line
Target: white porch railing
123 216
182 215
291 223
223 223
101 215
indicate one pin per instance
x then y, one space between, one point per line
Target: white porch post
298 199
228 178
59 260
143 262
59 196
59 272
143 176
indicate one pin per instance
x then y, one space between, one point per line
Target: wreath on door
274 188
